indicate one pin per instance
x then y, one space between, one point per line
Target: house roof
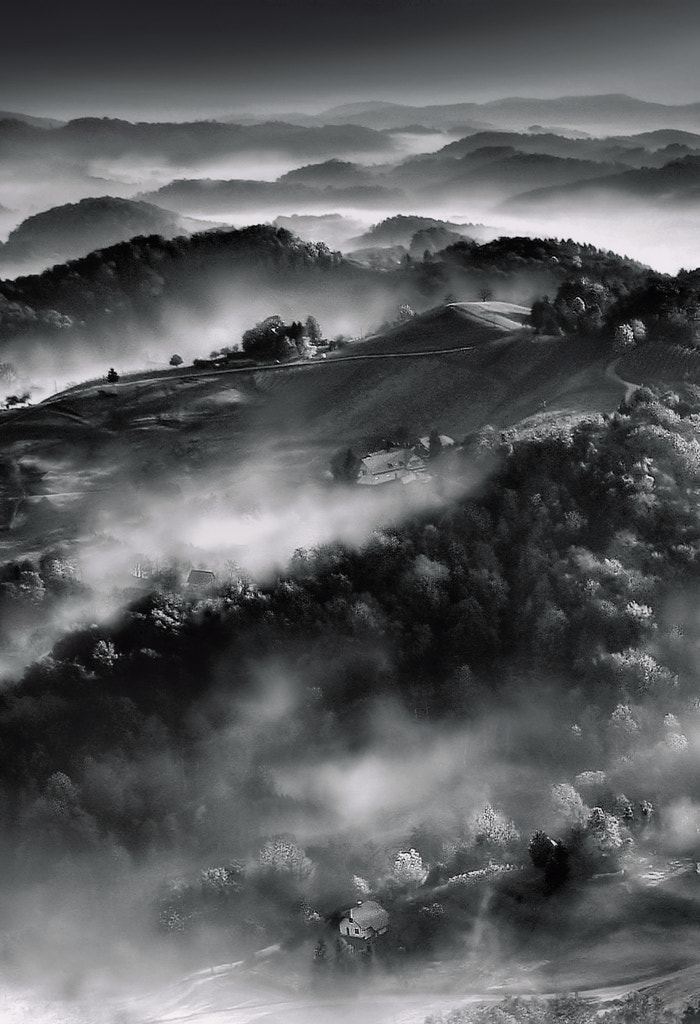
368 915
390 460
200 578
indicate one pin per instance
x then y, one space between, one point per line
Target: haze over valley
349 513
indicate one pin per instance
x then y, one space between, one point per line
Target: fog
221 823
657 229
350 809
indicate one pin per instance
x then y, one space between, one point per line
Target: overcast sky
167 58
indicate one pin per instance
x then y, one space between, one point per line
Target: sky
159 58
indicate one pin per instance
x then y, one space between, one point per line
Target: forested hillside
136 280
551 623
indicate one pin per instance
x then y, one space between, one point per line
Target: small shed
364 921
200 579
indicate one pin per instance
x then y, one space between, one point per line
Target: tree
408 868
321 961
105 653
59 573
313 331
543 317
112 375
345 466
222 883
13 400
494 830
541 847
286 858
603 842
434 445
485 294
639 330
269 339
28 587
623 339
567 804
176 360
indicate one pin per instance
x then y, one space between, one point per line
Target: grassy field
104 454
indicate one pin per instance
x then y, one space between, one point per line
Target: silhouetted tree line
135 279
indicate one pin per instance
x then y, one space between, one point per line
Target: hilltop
76 229
456 367
157 294
677 182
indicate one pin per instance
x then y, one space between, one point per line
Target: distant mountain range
367 161
644 149
591 113
206 197
93 138
611 111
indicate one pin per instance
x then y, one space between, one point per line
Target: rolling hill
36 122
399 230
76 229
189 144
676 182
331 174
490 173
455 368
196 196
645 149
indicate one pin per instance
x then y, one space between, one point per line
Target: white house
364 921
383 467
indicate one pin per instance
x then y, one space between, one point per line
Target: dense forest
639 1009
142 283
548 625
136 281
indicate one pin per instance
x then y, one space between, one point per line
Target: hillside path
612 374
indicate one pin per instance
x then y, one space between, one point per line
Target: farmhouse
402 464
364 921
